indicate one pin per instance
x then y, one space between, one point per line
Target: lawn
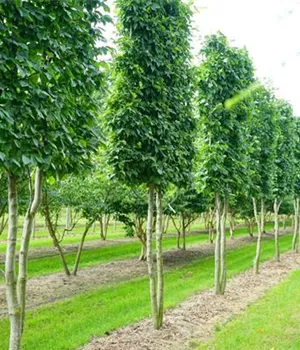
76 320
271 323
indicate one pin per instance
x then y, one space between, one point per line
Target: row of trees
174 139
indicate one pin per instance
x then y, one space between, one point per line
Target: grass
101 255
271 323
42 240
71 323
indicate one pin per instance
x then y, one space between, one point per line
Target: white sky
270 30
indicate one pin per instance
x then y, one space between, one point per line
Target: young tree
262 135
224 73
150 111
48 76
296 235
284 169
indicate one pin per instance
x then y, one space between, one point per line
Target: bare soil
51 288
194 321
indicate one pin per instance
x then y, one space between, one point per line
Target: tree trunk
276 229
14 310
218 246
183 232
166 223
223 270
151 272
104 221
53 235
80 247
260 226
143 255
178 229
27 230
68 218
296 223
231 226
159 261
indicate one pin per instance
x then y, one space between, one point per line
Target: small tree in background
150 111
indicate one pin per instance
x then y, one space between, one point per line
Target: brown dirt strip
51 288
194 320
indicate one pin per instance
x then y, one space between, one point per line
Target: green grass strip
69 324
271 323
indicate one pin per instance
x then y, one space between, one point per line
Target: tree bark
183 232
223 270
218 245
159 261
14 309
151 273
276 229
52 233
80 247
260 227
68 218
104 221
27 230
231 226
296 223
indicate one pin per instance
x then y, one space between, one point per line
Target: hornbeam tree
150 111
296 192
48 76
262 135
223 74
284 167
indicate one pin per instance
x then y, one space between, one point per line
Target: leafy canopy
150 109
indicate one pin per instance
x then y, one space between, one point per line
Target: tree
262 136
186 204
284 169
296 235
224 72
48 76
150 111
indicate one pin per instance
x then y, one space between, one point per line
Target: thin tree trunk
27 230
178 229
296 223
159 261
183 232
68 218
259 222
166 224
151 273
53 235
231 224
218 246
106 223
276 229
14 310
80 247
143 254
223 270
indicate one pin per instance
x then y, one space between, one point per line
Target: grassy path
271 323
98 312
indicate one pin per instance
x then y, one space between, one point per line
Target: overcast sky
270 29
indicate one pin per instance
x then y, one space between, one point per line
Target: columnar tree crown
48 77
224 73
150 110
